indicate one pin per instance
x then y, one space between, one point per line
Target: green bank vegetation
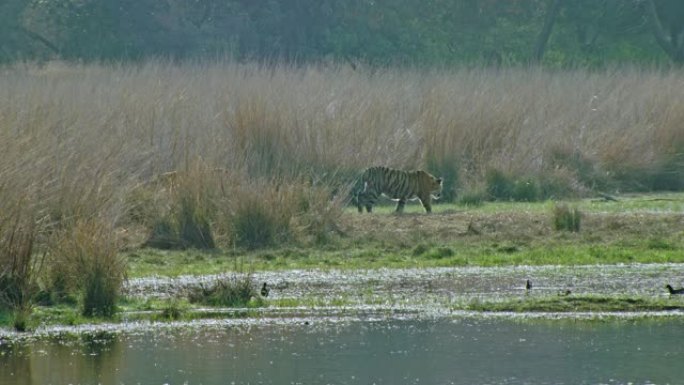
638 229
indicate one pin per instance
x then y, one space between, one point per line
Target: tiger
398 185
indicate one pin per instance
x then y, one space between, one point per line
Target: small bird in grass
674 291
528 285
265 290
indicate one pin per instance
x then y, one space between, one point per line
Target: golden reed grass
79 139
266 153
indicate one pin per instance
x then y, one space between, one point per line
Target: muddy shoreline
463 282
385 294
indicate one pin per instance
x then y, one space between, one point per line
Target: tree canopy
556 33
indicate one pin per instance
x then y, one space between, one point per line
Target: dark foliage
493 33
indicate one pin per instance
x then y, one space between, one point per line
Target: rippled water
442 351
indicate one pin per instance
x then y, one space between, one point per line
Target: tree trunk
545 33
670 41
35 36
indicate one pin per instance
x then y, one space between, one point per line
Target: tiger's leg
400 205
361 197
427 204
370 202
369 199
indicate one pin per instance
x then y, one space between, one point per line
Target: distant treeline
557 33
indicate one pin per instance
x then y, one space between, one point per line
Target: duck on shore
674 291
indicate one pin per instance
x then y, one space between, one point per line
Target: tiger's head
430 184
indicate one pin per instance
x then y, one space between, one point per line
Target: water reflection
90 358
464 351
15 363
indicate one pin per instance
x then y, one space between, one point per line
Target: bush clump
90 264
420 249
441 252
447 168
187 221
236 291
19 268
265 213
194 230
526 190
504 187
164 235
566 218
499 185
254 225
472 196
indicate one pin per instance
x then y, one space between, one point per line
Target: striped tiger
398 185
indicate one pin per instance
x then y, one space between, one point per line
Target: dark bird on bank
265 290
528 285
674 291
608 197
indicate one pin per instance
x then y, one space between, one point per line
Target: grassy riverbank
246 167
636 229
642 229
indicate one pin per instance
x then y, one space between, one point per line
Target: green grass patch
573 250
235 291
641 203
566 218
134 309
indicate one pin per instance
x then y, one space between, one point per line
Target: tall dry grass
85 260
81 140
19 267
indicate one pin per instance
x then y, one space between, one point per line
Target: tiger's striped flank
398 185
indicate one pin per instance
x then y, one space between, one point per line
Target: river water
468 350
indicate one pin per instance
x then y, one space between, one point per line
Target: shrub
99 293
559 183
669 175
446 168
526 190
254 225
143 203
17 281
91 265
193 225
264 213
420 249
173 311
583 169
566 218
499 185
187 222
440 252
164 235
472 197
235 291
19 268
317 214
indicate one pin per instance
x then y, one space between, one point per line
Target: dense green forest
557 33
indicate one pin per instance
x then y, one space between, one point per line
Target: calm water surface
464 351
